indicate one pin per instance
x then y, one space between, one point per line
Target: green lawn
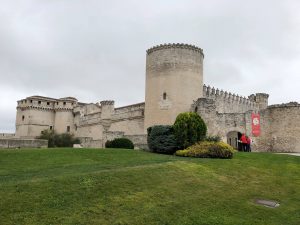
96 186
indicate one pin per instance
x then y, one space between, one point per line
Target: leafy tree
161 139
58 140
189 128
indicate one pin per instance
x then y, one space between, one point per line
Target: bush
58 140
212 138
189 128
120 143
161 139
207 149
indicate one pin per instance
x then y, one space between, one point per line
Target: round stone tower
174 79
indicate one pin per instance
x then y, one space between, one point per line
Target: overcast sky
95 50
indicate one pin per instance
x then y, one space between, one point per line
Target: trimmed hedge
207 149
120 143
189 128
161 139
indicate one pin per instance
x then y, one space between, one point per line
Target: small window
48 103
68 128
23 117
25 101
56 103
30 101
39 102
196 109
65 103
50 127
164 96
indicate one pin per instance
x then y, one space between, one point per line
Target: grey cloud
95 50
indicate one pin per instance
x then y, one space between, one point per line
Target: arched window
164 96
196 109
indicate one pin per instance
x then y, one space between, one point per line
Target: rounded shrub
161 139
58 140
212 138
208 149
189 128
120 143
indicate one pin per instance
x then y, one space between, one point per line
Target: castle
174 84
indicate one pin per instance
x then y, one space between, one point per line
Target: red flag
255 118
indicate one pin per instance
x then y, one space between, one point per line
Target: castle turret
174 79
261 99
107 109
64 116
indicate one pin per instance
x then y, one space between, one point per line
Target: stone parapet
23 143
173 45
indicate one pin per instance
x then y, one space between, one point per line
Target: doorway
233 138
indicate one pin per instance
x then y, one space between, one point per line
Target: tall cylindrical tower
174 78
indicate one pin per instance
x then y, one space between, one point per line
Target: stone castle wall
23 143
174 84
280 128
226 102
7 135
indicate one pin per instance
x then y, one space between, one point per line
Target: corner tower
174 79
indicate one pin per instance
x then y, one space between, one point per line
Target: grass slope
90 186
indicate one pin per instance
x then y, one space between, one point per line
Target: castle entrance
232 139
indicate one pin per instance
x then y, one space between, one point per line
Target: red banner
255 118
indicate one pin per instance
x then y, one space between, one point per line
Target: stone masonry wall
23 143
280 128
226 102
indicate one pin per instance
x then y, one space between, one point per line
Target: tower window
65 103
23 117
196 109
68 128
48 103
30 101
50 127
39 102
164 96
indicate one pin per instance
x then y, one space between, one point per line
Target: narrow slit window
68 128
23 117
164 96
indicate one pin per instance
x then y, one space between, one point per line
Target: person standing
243 139
248 144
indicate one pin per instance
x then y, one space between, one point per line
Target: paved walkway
296 154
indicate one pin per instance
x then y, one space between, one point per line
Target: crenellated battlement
47 104
173 45
227 102
107 102
213 92
285 105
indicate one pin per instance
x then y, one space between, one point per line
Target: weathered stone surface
23 143
174 84
267 203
